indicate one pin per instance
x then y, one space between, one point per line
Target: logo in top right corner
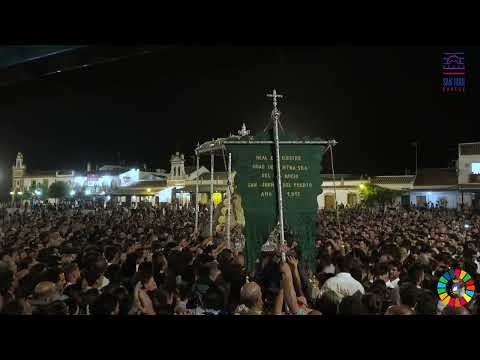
453 71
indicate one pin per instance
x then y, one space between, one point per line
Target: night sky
374 100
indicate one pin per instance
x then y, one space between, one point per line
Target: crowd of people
150 261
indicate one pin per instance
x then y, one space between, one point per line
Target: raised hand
292 261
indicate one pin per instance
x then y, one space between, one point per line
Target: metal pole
276 115
229 197
416 158
211 192
334 185
196 196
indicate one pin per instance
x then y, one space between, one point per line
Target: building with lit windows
179 186
99 182
24 179
453 187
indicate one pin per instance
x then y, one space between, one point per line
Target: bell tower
18 172
177 167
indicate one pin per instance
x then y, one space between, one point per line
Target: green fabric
300 165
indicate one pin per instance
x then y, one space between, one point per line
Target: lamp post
415 144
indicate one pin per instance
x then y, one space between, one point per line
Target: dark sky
374 100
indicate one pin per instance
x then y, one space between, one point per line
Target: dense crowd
150 261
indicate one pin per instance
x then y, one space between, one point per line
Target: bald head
399 310
455 311
251 294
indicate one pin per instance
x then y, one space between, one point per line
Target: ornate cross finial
275 112
274 95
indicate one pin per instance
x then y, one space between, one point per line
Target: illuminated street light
362 186
148 190
11 193
72 192
20 193
38 193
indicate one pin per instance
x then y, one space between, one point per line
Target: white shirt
392 284
104 283
343 284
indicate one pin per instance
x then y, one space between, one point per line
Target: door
405 200
352 199
329 201
421 201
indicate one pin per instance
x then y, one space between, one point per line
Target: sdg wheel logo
456 288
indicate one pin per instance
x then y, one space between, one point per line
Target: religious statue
237 217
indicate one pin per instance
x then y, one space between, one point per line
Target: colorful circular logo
456 288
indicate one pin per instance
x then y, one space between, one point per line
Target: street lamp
11 193
362 186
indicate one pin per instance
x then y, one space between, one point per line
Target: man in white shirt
343 284
394 275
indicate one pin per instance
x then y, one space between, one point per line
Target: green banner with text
256 182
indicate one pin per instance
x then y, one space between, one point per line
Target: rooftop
469 148
43 173
394 179
339 177
436 177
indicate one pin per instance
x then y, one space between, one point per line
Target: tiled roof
392 180
436 177
339 177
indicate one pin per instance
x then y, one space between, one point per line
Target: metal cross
274 95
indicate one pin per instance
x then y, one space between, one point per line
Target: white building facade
178 185
23 179
445 187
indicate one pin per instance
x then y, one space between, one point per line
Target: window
476 168
405 200
352 199
421 201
